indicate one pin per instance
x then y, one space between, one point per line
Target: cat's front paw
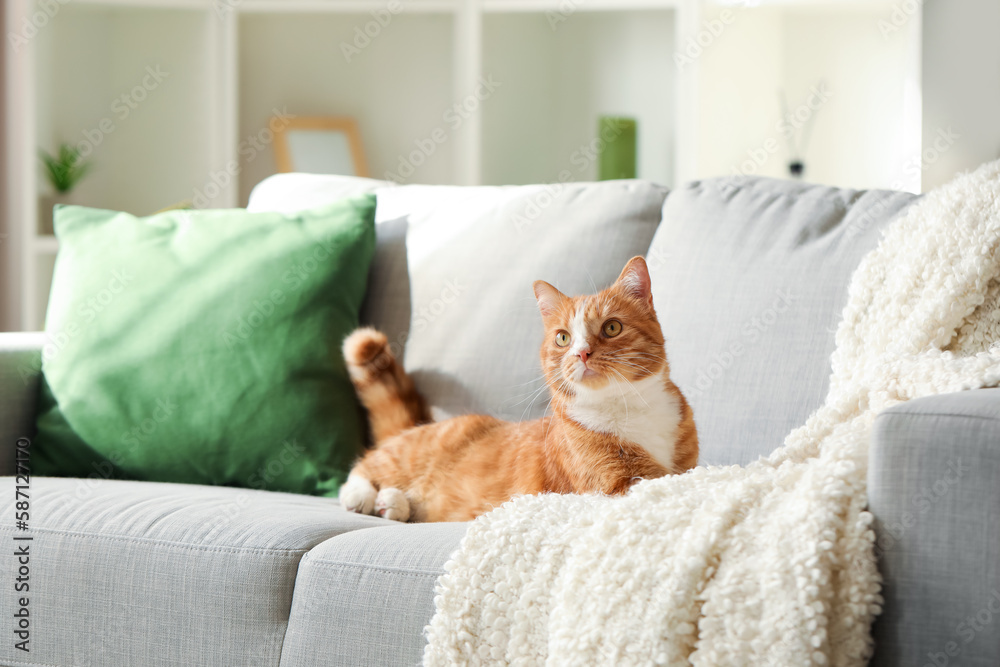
358 495
392 504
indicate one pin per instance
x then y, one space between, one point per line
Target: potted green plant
64 170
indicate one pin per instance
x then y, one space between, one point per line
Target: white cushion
288 193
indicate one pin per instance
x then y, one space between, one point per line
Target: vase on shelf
46 202
617 146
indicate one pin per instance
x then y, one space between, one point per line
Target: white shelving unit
201 132
198 132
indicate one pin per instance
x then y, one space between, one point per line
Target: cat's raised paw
392 504
358 495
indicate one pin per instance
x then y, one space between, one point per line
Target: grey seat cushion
473 254
750 277
364 598
138 573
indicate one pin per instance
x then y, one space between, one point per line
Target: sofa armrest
934 488
20 370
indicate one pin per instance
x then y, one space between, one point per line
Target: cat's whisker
631 386
540 378
641 369
534 397
624 400
642 355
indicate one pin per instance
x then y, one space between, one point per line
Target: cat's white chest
643 412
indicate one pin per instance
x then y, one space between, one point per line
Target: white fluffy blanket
768 564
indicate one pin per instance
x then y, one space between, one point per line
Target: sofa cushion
194 346
387 302
139 573
364 598
750 277
473 254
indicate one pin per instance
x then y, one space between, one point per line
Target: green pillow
204 346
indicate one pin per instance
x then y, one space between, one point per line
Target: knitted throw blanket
768 564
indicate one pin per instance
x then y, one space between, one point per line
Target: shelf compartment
542 124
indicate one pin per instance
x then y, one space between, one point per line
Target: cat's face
607 338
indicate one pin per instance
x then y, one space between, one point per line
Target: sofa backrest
750 276
451 282
473 254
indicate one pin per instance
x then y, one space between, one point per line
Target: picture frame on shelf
320 145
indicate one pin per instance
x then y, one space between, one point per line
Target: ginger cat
616 417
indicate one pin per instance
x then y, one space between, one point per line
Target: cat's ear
549 298
634 280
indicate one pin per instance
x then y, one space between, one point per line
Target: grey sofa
749 278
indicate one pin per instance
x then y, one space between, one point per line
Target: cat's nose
585 354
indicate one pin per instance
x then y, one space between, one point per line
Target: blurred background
138 105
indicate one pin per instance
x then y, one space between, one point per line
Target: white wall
558 79
856 137
740 74
961 86
81 81
399 87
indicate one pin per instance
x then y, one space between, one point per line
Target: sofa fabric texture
379 585
749 280
933 487
140 573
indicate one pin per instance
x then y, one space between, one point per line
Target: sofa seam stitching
907 413
381 568
166 543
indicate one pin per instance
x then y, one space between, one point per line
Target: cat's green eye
562 339
612 328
